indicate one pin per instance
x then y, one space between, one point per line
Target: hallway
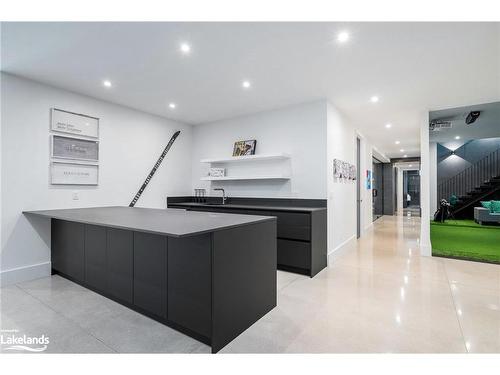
382 296
379 295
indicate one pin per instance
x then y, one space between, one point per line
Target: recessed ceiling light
106 83
185 48
374 99
397 142
343 37
410 165
388 126
402 150
246 84
172 105
405 156
457 137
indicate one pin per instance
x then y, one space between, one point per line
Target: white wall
366 194
130 143
433 177
341 144
299 130
425 195
314 134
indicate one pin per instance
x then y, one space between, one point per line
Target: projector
471 117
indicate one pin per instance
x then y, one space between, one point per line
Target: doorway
358 187
377 189
411 192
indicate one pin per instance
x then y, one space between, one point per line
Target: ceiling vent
437 125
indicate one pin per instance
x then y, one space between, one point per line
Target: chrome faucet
224 198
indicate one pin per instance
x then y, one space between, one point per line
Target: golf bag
443 212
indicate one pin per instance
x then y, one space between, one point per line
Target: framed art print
243 148
74 123
75 148
73 174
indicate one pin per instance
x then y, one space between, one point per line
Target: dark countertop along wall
273 204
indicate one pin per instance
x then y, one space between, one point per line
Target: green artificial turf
465 239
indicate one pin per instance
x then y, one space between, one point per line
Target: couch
483 215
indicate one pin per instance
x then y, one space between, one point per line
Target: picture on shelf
242 148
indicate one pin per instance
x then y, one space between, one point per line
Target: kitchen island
208 275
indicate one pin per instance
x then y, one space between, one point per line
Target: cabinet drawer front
294 254
292 225
293 218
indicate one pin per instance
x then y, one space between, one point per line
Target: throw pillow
495 207
486 204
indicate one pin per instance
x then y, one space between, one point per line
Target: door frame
358 187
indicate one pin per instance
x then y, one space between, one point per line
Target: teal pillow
486 204
495 207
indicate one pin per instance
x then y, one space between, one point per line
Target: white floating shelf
247 158
242 178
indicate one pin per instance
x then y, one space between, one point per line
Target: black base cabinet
302 236
190 283
150 273
209 286
68 248
120 264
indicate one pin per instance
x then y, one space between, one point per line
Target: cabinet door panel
150 272
68 248
294 254
120 272
95 256
189 283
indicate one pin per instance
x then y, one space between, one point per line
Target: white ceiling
412 67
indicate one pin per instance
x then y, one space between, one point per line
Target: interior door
358 188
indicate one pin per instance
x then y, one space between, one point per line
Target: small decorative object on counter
242 148
199 195
217 172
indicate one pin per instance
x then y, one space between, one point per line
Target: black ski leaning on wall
155 168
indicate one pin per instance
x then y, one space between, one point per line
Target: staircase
480 181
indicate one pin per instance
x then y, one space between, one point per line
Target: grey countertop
248 207
169 222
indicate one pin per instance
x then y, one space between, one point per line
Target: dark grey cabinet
302 236
189 283
210 286
95 256
120 264
294 253
68 252
150 273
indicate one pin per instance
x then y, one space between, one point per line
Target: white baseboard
338 250
20 274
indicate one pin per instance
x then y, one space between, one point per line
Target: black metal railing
471 178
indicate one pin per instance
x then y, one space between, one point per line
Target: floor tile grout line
456 311
65 317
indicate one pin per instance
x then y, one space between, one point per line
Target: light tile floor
379 295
